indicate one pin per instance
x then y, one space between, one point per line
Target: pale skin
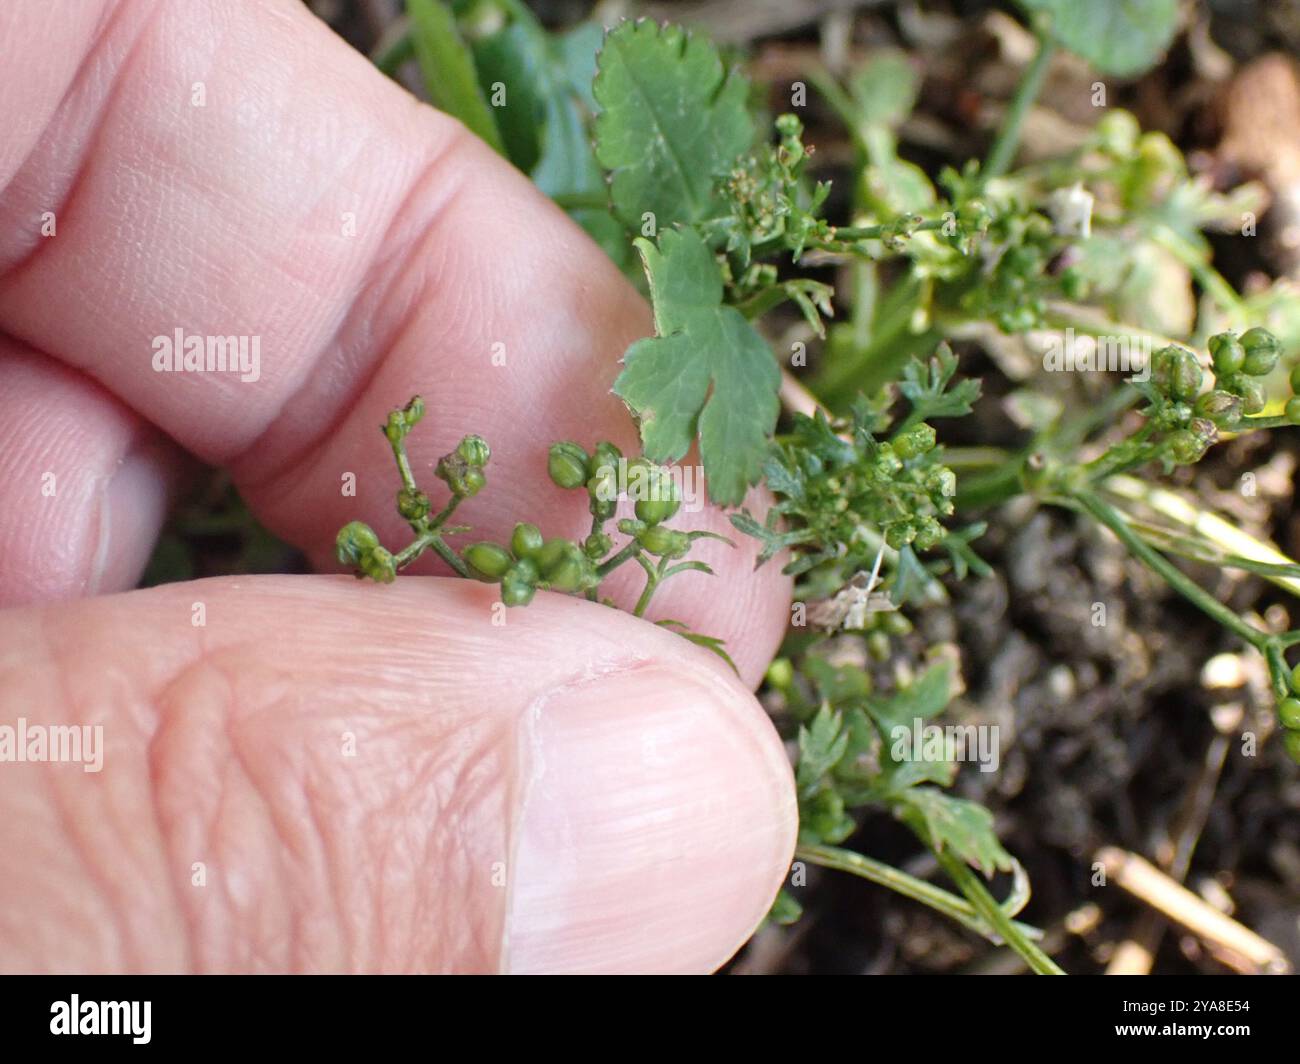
328 775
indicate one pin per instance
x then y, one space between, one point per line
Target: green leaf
672 117
885 88
1120 37
925 386
965 828
822 743
547 80
450 77
706 372
923 698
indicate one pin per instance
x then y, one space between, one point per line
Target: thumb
311 774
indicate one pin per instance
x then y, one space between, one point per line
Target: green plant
649 138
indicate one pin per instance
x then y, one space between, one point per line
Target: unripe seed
568 464
526 540
488 561
1227 353
1288 712
1222 408
1262 350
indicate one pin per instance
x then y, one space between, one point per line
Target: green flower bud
568 464
378 564
899 535
1184 376
1222 408
655 492
564 566
474 450
552 552
1288 712
526 540
463 478
597 545
1262 350
915 441
355 539
1228 354
1295 680
929 533
395 427
1186 446
487 561
519 584
1295 379
630 527
1293 410
656 539
412 505
605 454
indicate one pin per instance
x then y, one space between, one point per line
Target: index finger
234 170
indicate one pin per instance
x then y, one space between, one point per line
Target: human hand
576 790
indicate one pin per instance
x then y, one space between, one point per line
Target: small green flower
412 505
474 450
354 540
915 442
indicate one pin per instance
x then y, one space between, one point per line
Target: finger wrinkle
341 375
29 242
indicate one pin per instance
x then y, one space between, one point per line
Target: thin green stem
986 905
582 201
1210 279
1008 138
1170 573
884 875
629 552
449 556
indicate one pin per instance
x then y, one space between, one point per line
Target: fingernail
133 507
657 825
